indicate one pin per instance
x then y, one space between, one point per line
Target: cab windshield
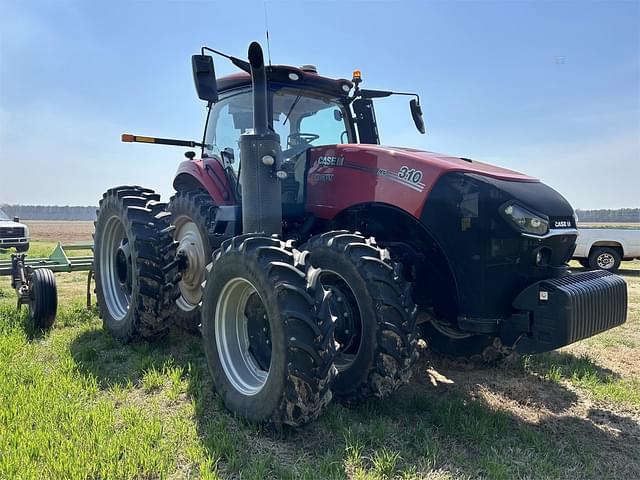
3 216
302 121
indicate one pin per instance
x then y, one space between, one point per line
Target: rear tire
377 324
268 332
43 303
605 258
136 278
192 214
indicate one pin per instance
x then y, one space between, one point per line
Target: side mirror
16 219
204 77
416 113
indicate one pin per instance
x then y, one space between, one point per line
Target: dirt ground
60 231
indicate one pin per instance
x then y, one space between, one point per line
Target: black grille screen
12 232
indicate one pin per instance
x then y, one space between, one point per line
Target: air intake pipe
260 154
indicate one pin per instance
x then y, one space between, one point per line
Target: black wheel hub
123 266
344 306
258 331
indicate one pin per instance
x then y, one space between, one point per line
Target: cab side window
229 119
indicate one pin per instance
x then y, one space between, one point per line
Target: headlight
525 220
26 231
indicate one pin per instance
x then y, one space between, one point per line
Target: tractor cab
303 118
307 111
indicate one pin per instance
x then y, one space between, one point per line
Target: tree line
50 212
623 215
65 212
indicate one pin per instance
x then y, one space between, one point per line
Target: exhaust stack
260 153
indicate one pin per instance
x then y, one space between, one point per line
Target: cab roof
293 77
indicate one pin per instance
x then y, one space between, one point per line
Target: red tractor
311 257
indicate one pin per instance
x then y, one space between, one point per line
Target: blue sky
548 88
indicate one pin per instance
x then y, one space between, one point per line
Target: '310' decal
410 175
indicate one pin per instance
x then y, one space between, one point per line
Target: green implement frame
58 261
21 269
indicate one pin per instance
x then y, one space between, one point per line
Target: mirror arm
364 93
408 95
241 64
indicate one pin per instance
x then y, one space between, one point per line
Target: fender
208 174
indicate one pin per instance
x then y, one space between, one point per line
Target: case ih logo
331 161
562 224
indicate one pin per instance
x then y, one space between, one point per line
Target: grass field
76 404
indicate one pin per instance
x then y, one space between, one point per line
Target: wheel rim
605 260
239 315
116 268
191 247
347 310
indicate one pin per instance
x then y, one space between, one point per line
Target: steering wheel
300 146
304 137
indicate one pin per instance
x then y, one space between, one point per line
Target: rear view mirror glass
204 77
416 113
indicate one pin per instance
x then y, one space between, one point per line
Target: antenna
266 25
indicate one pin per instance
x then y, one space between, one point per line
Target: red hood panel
341 176
449 164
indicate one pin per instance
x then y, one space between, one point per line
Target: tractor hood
445 163
402 177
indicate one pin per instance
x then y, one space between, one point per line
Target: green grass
583 372
57 422
74 403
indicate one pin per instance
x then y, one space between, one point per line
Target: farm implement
34 281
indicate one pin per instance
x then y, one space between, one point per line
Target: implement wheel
135 272
191 213
268 332
376 326
43 298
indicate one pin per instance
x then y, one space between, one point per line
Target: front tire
268 333
376 326
136 278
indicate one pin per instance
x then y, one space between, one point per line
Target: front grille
597 301
12 232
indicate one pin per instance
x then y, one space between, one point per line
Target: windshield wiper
293 105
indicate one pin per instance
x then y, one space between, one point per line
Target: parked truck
13 234
605 248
